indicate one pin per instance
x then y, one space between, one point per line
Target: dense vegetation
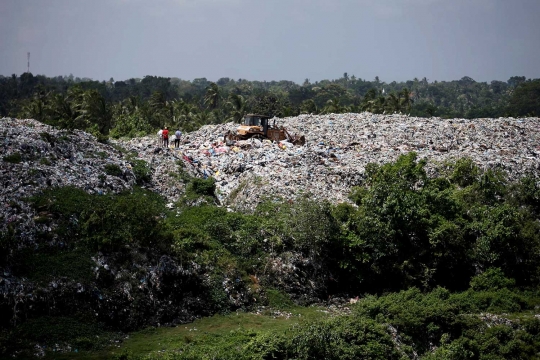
404 325
427 239
139 106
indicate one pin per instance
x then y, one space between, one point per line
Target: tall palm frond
212 96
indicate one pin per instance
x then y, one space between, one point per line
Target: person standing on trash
178 134
166 137
160 137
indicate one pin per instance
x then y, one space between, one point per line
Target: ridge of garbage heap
338 148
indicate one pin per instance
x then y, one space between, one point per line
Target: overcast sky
272 39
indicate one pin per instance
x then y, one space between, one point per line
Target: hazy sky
272 39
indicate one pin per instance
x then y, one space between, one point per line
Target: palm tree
162 109
405 99
212 96
309 107
379 105
373 102
333 106
392 103
368 100
157 101
130 118
183 113
95 109
237 106
36 107
198 119
65 109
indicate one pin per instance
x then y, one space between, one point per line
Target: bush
142 171
343 338
44 266
449 321
105 222
7 244
14 158
278 300
491 279
45 161
202 187
47 137
113 170
465 172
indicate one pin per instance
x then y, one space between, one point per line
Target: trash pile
338 148
35 156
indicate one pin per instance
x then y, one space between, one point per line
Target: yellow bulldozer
259 127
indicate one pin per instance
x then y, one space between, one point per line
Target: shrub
465 172
42 267
106 222
278 300
14 158
441 319
45 136
142 171
343 338
491 279
113 170
202 187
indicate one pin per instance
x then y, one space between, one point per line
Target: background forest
139 106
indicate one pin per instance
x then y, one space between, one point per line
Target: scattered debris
338 148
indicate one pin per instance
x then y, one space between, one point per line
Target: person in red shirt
165 135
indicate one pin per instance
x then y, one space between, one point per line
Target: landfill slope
338 148
35 156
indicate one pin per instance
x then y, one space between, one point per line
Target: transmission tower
28 56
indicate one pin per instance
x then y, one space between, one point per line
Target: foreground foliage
123 262
494 324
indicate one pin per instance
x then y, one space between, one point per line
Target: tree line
139 106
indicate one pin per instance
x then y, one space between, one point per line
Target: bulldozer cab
258 126
256 120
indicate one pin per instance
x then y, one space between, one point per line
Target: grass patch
120 148
14 158
181 172
45 161
216 332
201 187
101 154
237 191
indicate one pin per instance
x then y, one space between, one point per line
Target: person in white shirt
160 137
